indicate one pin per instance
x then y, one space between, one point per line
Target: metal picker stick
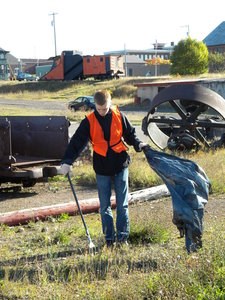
90 243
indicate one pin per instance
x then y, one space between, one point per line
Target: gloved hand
142 145
65 169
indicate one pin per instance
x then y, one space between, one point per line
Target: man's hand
65 169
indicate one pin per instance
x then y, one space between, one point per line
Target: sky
97 26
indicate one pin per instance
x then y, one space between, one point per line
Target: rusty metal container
30 144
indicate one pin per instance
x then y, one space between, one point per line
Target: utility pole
125 55
188 29
54 30
156 48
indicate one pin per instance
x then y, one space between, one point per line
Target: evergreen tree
190 57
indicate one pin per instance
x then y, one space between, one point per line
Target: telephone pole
188 30
156 48
125 55
54 30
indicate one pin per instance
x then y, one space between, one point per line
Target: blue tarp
189 189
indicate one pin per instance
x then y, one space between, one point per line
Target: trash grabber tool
90 243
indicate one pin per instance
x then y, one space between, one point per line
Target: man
107 129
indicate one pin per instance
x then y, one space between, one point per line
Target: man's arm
130 136
77 143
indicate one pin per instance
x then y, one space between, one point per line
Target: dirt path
45 194
32 104
42 194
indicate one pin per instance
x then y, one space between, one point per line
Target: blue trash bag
189 188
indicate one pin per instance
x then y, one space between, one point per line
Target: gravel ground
45 194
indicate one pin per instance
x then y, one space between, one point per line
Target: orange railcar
102 66
70 66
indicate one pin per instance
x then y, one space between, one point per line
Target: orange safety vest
99 144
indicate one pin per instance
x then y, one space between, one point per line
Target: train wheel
185 116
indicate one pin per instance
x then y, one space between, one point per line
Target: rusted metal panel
28 144
44 136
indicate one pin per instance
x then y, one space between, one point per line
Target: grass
155 266
62 91
50 259
213 163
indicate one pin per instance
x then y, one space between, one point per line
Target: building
215 41
135 61
148 90
4 68
27 65
10 65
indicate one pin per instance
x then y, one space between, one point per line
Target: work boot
109 244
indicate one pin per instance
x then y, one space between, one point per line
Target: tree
157 61
190 57
216 62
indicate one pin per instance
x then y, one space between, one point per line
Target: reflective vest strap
99 144
116 142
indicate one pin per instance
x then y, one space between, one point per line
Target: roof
216 37
142 52
12 60
4 51
35 60
172 82
132 59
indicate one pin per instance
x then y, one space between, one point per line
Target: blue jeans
104 185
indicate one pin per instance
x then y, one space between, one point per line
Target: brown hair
102 97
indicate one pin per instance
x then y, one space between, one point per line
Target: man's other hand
65 169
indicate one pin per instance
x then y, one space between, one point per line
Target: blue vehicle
21 76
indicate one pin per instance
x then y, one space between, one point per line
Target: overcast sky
97 26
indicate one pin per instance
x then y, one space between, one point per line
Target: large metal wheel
186 116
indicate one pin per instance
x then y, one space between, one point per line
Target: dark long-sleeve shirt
114 162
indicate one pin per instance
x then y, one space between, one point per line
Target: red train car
70 66
102 66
